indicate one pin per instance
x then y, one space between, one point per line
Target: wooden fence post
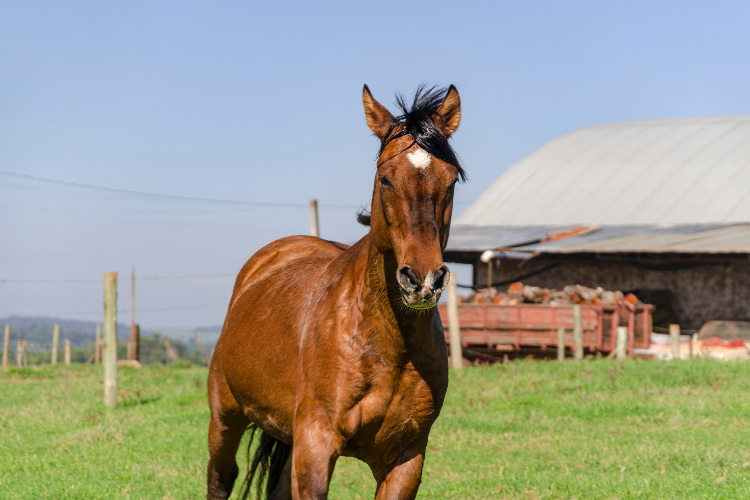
694 345
314 227
203 349
622 342
66 352
561 343
690 347
577 332
674 332
98 345
21 353
6 346
170 352
135 338
453 326
55 343
110 340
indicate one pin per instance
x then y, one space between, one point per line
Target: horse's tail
267 463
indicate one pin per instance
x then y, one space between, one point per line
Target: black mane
417 122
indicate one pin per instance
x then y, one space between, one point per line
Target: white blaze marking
419 158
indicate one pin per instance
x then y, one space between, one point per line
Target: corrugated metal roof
674 171
481 238
525 241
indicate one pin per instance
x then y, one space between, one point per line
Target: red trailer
535 325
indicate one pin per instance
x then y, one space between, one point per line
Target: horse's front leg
402 481
316 449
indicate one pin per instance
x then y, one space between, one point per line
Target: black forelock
417 122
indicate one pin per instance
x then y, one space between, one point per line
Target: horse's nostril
440 276
408 279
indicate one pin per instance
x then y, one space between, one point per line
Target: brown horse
334 351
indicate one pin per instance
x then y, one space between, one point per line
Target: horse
329 350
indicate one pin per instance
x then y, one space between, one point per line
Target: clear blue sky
262 103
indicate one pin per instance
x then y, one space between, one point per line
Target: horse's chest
391 418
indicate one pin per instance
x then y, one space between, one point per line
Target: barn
660 208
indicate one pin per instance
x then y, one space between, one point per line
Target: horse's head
412 201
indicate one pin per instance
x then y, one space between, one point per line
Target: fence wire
151 351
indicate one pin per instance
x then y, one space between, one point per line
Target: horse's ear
379 119
448 115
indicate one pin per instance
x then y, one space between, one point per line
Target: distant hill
209 329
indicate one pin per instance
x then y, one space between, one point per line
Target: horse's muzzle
418 293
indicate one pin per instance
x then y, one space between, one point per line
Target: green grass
540 430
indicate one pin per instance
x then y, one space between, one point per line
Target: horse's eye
384 181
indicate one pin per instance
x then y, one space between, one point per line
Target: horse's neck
400 325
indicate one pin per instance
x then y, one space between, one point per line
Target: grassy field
525 430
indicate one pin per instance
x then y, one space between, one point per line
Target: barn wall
700 294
